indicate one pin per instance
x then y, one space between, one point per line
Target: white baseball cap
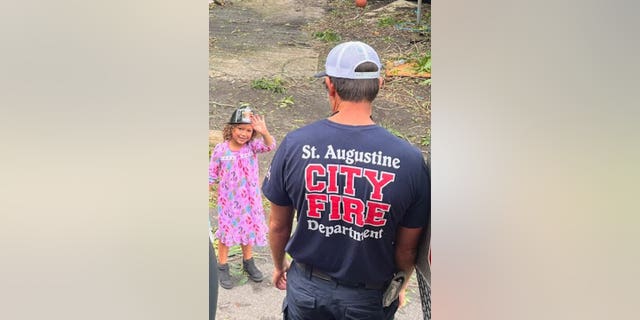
344 58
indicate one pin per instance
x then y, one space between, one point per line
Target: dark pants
213 282
311 298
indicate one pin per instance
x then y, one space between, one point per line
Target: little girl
234 166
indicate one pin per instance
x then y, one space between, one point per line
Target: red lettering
333 178
353 207
309 178
351 173
385 179
315 204
346 207
335 207
376 212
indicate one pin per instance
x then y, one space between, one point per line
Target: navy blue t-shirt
352 186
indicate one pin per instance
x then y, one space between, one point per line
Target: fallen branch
221 104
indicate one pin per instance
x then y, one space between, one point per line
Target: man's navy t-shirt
352 186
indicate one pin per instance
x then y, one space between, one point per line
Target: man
360 198
423 267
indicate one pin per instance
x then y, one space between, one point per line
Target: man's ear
330 88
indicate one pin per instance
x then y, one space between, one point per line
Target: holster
393 290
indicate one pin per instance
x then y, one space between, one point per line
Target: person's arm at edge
280 224
406 251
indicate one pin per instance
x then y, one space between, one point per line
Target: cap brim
320 74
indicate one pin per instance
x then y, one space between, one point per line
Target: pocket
299 305
298 295
364 313
303 300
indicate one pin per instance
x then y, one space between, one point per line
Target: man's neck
353 113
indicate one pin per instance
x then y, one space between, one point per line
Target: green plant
275 84
286 101
423 63
426 139
327 35
426 82
386 21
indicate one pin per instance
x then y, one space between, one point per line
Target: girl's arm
260 126
268 139
214 166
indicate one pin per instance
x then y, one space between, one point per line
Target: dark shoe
250 267
224 276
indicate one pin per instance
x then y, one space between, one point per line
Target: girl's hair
226 132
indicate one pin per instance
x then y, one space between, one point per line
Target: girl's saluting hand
257 121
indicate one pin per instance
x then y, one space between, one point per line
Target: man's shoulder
316 125
303 132
399 145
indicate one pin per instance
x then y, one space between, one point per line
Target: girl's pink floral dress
240 214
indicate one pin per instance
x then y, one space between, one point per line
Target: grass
386 22
286 102
275 84
327 35
423 63
426 139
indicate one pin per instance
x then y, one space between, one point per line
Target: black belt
326 277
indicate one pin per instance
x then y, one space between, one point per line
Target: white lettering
306 153
352 156
329 231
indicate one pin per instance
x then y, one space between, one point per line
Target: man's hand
280 276
280 223
406 250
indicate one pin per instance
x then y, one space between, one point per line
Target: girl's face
241 134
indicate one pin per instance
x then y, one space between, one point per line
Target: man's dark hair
356 90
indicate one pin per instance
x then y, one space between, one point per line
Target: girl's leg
223 268
223 253
249 265
247 252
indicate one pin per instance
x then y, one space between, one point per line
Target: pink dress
241 217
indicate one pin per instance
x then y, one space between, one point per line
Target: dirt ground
288 40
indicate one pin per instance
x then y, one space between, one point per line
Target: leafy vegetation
423 63
275 84
387 21
426 139
327 35
286 102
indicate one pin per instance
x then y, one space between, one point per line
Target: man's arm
280 223
406 250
